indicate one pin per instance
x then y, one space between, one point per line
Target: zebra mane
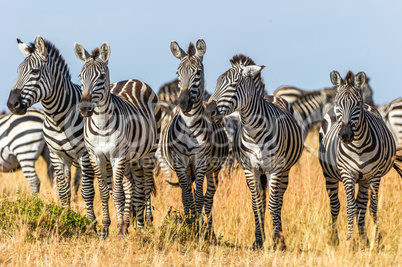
242 60
191 50
95 53
349 79
53 53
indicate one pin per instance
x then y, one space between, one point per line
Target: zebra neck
253 114
103 112
195 114
63 99
362 129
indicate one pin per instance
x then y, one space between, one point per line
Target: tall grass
306 222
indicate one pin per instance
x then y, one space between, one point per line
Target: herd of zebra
122 132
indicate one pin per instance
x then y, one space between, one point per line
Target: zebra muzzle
85 107
211 113
185 102
346 133
14 103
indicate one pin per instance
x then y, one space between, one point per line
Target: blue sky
299 41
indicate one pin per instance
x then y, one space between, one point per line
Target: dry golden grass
306 222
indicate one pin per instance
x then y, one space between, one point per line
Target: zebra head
94 75
190 73
348 103
33 73
234 89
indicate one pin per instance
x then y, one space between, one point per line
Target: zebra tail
154 190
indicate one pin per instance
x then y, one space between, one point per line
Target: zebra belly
8 161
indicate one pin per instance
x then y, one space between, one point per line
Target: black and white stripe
21 144
122 130
309 108
44 77
191 146
355 147
267 144
392 115
292 94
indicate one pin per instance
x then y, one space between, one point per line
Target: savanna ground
306 222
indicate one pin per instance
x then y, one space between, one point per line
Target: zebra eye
35 71
102 76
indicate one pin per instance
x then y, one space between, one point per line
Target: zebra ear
251 70
40 47
201 47
23 47
104 52
336 78
80 52
176 50
360 79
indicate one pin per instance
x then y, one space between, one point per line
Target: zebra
392 115
21 144
289 93
310 108
191 146
121 129
292 94
267 144
355 147
168 95
44 77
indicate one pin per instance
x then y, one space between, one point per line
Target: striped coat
267 144
121 130
191 146
21 144
44 77
355 147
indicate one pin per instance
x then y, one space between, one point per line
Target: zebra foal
267 143
191 146
121 129
355 147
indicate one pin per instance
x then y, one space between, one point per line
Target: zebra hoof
279 244
104 234
334 240
257 244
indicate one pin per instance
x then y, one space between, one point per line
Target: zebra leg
28 168
199 190
351 208
148 166
258 207
361 201
186 191
277 187
102 174
119 169
332 186
128 187
62 171
87 186
212 186
375 185
139 192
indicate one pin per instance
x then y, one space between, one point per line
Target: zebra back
141 96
